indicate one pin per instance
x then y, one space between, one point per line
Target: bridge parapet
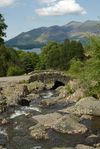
49 76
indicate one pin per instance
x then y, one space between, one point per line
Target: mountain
40 36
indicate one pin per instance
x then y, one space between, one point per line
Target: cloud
48 1
5 3
60 7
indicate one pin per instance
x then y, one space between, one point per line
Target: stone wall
49 76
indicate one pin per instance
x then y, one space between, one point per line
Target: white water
17 113
24 111
36 147
3 131
48 94
31 108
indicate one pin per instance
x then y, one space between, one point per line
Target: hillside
40 36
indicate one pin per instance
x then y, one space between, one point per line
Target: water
20 120
37 50
47 94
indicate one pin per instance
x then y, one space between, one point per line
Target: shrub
14 71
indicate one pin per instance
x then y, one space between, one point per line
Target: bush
14 71
76 68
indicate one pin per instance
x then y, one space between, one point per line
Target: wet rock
22 142
4 121
69 124
82 146
62 148
86 106
23 102
1 147
98 146
14 92
48 102
92 139
3 103
32 96
25 90
47 120
39 132
3 139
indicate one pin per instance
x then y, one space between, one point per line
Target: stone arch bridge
49 77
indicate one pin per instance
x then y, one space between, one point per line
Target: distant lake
37 50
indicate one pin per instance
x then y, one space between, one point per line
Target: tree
3 26
28 60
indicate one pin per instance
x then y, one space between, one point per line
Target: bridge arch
56 77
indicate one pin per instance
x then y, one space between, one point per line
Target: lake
37 50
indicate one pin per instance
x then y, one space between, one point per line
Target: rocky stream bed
42 118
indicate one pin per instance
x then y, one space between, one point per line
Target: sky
24 15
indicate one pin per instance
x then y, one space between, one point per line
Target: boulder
92 139
1 147
78 94
63 148
69 124
48 102
3 103
39 132
86 106
47 120
32 97
82 146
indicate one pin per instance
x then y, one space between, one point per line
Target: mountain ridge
40 36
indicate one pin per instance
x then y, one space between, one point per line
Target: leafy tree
8 57
14 71
28 61
3 26
58 56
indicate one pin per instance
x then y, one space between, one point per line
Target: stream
15 133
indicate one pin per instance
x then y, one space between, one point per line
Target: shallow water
20 120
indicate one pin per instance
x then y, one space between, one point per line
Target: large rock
86 106
47 120
69 124
3 103
1 147
82 146
63 148
39 132
78 94
32 97
14 92
48 102
92 139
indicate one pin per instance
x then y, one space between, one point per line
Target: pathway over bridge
49 76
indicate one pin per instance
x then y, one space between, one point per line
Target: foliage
3 26
28 60
76 67
8 57
14 71
57 56
88 71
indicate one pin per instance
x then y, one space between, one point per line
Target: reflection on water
95 125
